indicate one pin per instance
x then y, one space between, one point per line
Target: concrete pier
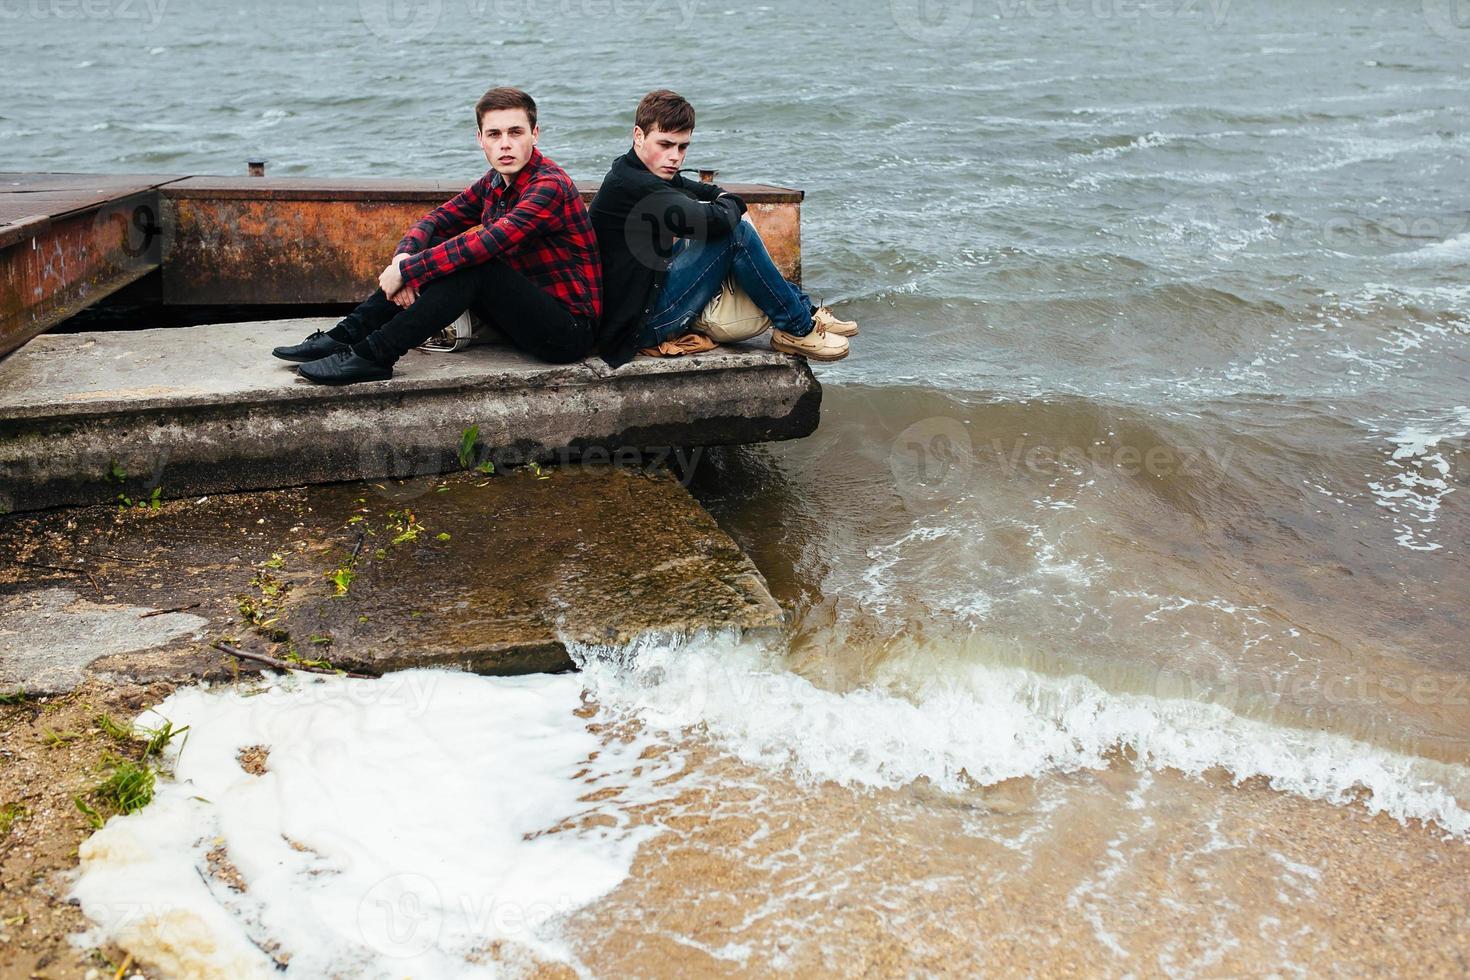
496 575
102 417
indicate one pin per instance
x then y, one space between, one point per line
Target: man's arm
459 213
669 212
536 214
697 188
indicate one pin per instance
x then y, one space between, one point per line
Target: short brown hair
666 110
505 98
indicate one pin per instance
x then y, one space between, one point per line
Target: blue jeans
699 270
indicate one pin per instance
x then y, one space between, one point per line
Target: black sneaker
344 368
313 348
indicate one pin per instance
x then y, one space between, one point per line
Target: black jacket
637 216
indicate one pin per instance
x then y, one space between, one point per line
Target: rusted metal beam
374 189
53 267
291 240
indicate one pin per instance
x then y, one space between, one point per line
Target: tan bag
731 316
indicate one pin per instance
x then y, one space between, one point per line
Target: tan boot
818 345
828 322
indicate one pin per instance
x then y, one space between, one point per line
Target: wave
1451 251
939 715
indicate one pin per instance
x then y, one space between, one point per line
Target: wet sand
1097 874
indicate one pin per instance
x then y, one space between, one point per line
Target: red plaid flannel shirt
538 226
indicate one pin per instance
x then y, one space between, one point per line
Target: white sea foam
940 716
405 823
1452 251
402 824
1413 492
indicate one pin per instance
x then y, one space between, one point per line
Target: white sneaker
454 337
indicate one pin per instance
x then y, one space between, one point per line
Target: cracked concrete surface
49 637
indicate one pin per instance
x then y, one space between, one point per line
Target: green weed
342 579
112 729
53 737
127 788
10 815
157 739
467 440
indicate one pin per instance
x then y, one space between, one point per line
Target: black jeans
383 331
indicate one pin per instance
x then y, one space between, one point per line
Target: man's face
507 136
662 152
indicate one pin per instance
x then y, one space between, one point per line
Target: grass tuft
10 815
128 788
157 739
113 729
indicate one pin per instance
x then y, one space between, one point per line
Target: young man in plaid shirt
516 247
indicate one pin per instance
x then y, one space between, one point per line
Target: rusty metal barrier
70 240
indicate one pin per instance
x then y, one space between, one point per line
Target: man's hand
405 297
390 280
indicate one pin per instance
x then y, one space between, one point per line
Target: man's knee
747 238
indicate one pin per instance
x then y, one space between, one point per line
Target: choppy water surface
1148 460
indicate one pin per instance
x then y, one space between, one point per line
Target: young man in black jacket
668 245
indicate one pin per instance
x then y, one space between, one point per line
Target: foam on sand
400 826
